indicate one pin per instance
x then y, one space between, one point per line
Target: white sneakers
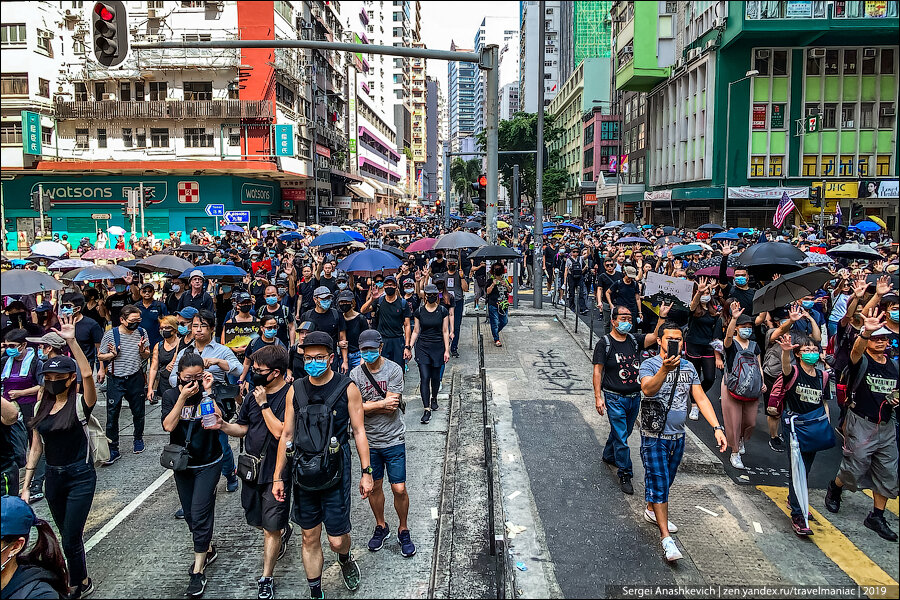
672 551
736 462
741 449
650 517
695 413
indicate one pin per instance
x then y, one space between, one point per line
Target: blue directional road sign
215 210
237 216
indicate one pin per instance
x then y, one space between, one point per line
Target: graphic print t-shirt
686 377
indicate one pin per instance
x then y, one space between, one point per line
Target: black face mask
244 308
167 333
195 399
345 306
56 387
259 379
390 291
132 326
431 298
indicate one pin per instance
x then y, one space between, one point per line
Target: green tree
462 175
520 133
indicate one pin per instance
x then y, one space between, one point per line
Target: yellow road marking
834 544
892 504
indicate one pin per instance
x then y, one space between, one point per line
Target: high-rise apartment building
502 32
529 40
462 81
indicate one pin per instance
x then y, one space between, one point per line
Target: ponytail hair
48 555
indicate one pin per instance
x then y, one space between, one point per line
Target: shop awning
362 190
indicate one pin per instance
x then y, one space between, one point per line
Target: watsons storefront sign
94 191
257 193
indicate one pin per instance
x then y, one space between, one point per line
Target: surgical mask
67 312
271 300
244 308
808 304
120 287
623 326
325 304
315 368
225 289
409 290
270 333
8 560
809 358
132 326
183 330
369 356
41 354
12 352
56 387
342 285
894 315
345 306
379 284
740 280
745 333
705 298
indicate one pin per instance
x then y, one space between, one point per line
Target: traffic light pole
144 231
493 143
41 206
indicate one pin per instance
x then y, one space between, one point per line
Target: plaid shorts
661 458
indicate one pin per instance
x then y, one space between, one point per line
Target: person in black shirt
870 438
116 302
197 296
605 280
268 336
392 315
329 320
196 485
260 423
296 369
305 288
438 265
625 292
274 308
87 331
354 324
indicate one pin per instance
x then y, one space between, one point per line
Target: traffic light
110 32
479 190
815 196
36 201
148 197
858 211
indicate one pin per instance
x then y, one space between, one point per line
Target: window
155 4
14 84
868 62
139 91
141 137
125 91
851 57
43 87
639 145
81 139
589 134
196 137
127 137
761 60
10 134
810 166
757 166
284 9
159 137
101 138
887 61
609 130
831 62
196 37
234 136
78 47
197 90
13 34
192 4
80 92
813 65
886 115
848 115
845 168
827 166
829 116
99 90
588 158
46 136
867 115
779 62
776 164
863 166
43 42
883 165
158 90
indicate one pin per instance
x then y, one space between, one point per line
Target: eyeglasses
200 325
261 372
312 358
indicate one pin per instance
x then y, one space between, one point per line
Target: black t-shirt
703 330
94 313
115 303
354 327
843 344
501 290
806 395
402 279
438 266
296 364
201 301
172 302
606 280
317 394
431 324
872 397
329 282
88 334
306 289
621 363
391 316
258 291
258 342
204 447
732 350
259 439
623 294
64 443
284 317
331 322
744 297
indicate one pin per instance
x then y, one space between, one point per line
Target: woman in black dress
431 339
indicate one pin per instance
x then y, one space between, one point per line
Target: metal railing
164 109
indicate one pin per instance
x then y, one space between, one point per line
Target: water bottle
289 449
333 446
207 412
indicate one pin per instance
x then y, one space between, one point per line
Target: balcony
817 9
109 110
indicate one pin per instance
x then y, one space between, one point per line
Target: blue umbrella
287 224
356 236
98 272
370 261
739 230
19 262
867 226
290 236
726 235
571 226
233 227
549 224
216 272
685 249
632 240
333 238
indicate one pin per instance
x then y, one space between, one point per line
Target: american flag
784 209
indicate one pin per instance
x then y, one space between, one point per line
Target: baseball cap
745 319
318 338
18 517
242 297
891 298
196 273
188 312
631 272
59 364
322 292
431 289
345 295
48 339
148 285
882 332
370 339
390 279
16 335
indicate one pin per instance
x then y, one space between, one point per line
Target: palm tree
463 174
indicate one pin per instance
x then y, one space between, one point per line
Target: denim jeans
498 321
228 465
622 412
353 359
457 323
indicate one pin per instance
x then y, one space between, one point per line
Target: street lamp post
749 75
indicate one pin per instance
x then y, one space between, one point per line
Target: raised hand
787 344
727 248
664 309
874 320
736 310
883 286
859 287
796 313
66 327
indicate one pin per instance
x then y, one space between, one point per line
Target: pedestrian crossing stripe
892 504
834 544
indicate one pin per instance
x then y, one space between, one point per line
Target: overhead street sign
237 216
215 210
101 216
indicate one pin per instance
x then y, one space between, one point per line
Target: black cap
745 320
431 289
370 339
243 297
318 338
345 296
59 364
390 278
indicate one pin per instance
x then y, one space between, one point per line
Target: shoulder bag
176 457
248 465
378 390
654 413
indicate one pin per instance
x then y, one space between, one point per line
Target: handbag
653 413
813 429
378 389
176 457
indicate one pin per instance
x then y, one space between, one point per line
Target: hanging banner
759 116
624 159
747 192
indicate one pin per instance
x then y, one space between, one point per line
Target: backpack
744 381
315 466
576 271
117 340
845 390
608 342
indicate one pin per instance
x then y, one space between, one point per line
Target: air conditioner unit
628 49
887 111
679 63
217 4
44 35
763 53
234 130
109 96
694 53
869 52
817 52
152 14
719 23
710 44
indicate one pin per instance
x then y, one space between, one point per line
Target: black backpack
315 466
576 271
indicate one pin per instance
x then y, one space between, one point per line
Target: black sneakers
426 416
197 585
350 573
833 497
434 404
82 590
265 588
879 525
776 444
625 483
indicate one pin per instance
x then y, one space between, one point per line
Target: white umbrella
798 476
49 249
116 230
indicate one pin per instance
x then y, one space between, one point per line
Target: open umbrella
765 252
669 230
290 236
287 224
28 282
613 225
233 228
369 262
867 226
401 232
472 225
726 235
116 230
107 254
52 249
388 226
69 263
459 239
790 288
713 272
224 273
163 263
879 221
422 245
629 228
711 227
855 251
356 236
570 226
686 249
99 272
332 239
193 249
633 240
668 239
495 253
393 250
502 225
814 258
330 229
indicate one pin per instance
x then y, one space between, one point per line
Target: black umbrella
163 263
716 261
401 232
668 239
711 227
129 264
790 288
766 252
394 250
495 253
193 248
21 281
855 251
629 228
472 225
669 230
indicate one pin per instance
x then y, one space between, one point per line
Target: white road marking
514 495
434 512
707 511
757 527
125 512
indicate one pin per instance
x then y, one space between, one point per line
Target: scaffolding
592 30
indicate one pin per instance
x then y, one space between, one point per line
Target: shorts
870 456
394 458
261 509
331 507
661 458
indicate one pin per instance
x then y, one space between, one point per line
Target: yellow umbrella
879 221
502 225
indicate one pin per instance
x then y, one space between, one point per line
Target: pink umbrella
423 245
713 272
107 254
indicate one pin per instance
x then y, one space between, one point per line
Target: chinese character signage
759 116
31 132
798 9
284 140
777 119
